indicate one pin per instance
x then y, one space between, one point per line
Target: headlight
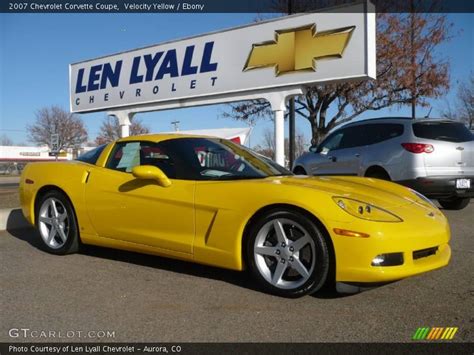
423 198
365 210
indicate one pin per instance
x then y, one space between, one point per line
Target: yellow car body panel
205 221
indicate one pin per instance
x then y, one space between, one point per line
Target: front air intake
423 253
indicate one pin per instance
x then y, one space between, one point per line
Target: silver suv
432 156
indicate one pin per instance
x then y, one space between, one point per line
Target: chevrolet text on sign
295 50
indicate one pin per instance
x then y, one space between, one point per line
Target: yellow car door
123 207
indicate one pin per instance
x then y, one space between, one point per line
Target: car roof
159 137
398 120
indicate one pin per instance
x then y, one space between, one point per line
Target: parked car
211 201
433 156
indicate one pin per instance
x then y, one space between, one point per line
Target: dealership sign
294 50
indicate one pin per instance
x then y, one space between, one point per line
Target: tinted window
125 156
154 154
353 137
379 132
91 156
345 138
443 131
218 159
330 143
194 159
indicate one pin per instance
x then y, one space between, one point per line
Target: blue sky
36 49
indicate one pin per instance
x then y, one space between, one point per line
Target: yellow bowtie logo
298 49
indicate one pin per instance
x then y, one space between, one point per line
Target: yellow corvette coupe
214 202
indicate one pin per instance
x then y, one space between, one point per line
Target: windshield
216 159
91 156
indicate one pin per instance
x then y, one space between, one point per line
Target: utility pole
176 125
291 115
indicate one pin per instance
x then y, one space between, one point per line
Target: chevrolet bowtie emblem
298 49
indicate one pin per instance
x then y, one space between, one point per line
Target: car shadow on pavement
242 279
237 278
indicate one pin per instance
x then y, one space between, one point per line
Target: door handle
357 155
333 159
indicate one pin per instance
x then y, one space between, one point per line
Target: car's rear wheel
287 254
56 224
455 203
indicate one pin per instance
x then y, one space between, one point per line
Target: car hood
374 191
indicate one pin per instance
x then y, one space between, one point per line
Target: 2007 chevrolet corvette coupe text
214 202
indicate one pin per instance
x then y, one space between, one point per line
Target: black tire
378 174
317 273
70 227
455 203
299 171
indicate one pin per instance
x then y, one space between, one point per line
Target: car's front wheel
455 203
56 223
287 254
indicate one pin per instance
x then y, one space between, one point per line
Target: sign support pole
124 130
279 136
125 121
277 100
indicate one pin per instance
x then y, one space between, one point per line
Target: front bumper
440 186
354 255
410 267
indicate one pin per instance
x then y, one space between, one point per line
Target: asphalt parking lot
9 191
143 298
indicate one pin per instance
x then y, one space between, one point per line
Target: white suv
432 156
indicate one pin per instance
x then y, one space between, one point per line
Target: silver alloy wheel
285 253
53 223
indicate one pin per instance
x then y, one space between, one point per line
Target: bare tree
110 130
5 140
408 70
54 119
267 147
463 109
269 140
466 98
300 144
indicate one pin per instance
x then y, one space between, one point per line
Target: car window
443 131
330 143
91 156
193 159
125 156
154 154
353 137
345 138
379 132
213 159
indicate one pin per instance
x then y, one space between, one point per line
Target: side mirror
150 172
313 148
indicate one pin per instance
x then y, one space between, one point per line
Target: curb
12 218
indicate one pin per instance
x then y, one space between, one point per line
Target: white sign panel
293 50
